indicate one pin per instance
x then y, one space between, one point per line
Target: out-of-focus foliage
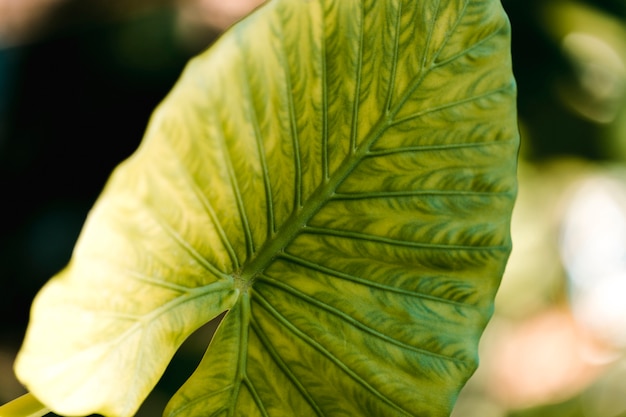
569 63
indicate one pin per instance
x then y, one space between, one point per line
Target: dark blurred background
80 78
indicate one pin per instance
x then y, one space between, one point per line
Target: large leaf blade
339 175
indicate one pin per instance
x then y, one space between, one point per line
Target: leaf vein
188 247
241 366
451 31
141 276
467 50
236 191
208 207
141 320
324 65
254 120
394 59
255 396
429 40
372 284
357 92
415 193
294 126
284 367
260 299
201 398
442 147
448 105
353 321
381 239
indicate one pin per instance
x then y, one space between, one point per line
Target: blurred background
79 79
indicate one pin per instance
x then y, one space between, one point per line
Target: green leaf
337 175
24 406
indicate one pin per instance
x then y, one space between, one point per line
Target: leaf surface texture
337 175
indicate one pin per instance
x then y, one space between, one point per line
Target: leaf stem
25 406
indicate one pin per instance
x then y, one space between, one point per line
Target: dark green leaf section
339 176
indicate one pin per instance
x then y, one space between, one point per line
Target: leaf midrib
299 219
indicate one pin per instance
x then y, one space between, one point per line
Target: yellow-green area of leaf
24 406
339 176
